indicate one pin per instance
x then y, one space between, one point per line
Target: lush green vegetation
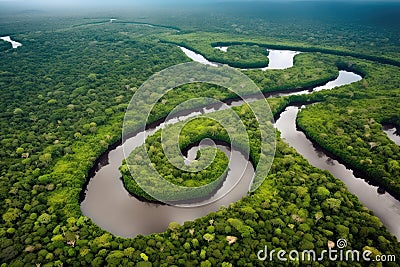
309 202
213 174
352 130
71 94
309 70
193 131
64 93
4 45
298 206
317 208
203 42
363 29
245 56
217 169
340 124
238 56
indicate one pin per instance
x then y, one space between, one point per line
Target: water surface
346 77
197 57
384 206
13 43
392 132
278 59
110 206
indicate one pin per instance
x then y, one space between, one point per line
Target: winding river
111 207
384 206
278 59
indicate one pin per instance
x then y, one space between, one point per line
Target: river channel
111 207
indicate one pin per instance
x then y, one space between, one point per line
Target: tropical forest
199 133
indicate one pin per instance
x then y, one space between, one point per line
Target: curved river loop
111 207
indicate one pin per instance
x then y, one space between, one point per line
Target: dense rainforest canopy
64 94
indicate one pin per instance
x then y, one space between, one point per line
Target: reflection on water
110 206
346 77
384 206
278 59
197 57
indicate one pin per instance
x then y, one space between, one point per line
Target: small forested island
69 183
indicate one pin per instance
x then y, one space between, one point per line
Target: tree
18 111
92 77
322 192
78 135
174 226
44 218
144 264
208 237
115 257
144 256
205 263
46 158
11 215
19 151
